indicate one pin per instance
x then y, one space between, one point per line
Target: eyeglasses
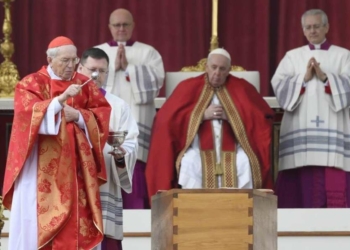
315 27
66 61
101 71
119 25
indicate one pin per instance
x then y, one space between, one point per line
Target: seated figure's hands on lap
214 111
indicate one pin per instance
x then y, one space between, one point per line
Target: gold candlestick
214 44
214 41
2 217
8 71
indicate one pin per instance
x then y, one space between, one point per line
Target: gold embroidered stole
195 120
234 120
240 133
211 168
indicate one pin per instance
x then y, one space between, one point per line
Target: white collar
318 46
53 75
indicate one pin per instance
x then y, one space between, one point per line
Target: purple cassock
138 198
313 186
109 244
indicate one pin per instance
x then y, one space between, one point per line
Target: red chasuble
69 170
180 118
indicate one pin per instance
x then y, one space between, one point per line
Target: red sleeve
257 119
168 135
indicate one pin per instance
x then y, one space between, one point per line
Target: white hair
52 52
314 12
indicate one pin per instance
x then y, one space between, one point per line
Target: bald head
121 25
121 12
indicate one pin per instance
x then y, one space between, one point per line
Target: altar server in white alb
312 85
136 74
119 166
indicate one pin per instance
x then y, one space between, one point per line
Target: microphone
94 76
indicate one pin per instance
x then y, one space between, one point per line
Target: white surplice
315 129
146 76
121 119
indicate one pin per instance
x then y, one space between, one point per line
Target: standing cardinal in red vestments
55 162
214 131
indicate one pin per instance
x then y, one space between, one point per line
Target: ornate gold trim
214 44
200 67
228 161
195 121
208 159
8 71
2 217
241 135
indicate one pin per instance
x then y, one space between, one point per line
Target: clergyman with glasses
136 75
55 162
312 85
120 166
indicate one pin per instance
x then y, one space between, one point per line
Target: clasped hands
120 59
313 68
214 111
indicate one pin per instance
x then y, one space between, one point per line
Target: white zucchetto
220 51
